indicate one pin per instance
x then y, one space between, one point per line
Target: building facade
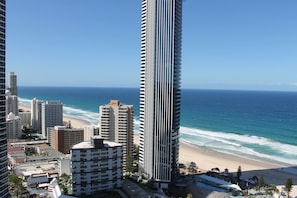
3 133
13 84
13 126
25 118
116 125
96 165
90 131
51 115
12 103
36 115
62 138
161 28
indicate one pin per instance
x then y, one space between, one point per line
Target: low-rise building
96 165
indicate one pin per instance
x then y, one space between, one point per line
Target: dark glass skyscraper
161 28
3 134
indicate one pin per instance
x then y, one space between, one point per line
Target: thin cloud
293 84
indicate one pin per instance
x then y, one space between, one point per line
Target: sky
226 44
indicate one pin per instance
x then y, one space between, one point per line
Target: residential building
12 103
25 118
64 166
90 131
96 165
116 125
161 28
13 84
3 133
36 115
62 138
51 115
13 126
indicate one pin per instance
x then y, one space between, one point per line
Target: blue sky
230 44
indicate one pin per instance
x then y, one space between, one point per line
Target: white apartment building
90 131
96 165
12 104
13 126
116 125
36 108
25 118
51 115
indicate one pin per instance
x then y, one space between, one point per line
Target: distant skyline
248 45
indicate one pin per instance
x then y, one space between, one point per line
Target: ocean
255 124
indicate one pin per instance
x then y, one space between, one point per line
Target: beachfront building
25 118
90 131
96 165
63 138
51 115
13 84
3 133
161 28
13 126
36 108
11 103
116 125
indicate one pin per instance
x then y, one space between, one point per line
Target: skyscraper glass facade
161 28
3 133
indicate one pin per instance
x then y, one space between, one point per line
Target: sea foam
241 145
236 144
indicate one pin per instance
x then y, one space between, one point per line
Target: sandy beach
207 159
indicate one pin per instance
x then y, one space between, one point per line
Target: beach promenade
207 159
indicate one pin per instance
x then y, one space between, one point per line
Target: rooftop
88 145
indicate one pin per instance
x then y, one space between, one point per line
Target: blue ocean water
255 124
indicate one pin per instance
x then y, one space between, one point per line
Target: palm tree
238 173
289 185
261 182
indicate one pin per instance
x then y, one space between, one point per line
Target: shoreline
205 159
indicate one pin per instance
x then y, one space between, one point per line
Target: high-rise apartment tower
161 28
116 125
36 112
13 84
12 103
51 115
3 135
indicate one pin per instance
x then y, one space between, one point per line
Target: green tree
238 172
261 182
65 182
129 163
289 185
16 182
136 150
